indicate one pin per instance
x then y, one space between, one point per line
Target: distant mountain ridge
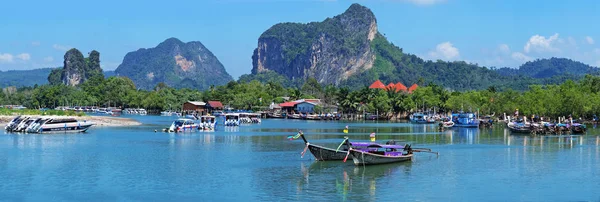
24 78
546 68
178 64
348 50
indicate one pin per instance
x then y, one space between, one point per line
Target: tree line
580 99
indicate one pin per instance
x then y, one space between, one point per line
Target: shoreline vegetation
581 98
51 112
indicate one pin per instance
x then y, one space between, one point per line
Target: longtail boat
322 153
578 128
373 153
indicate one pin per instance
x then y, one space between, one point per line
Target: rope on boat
338 148
348 153
304 152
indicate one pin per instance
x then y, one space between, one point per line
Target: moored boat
232 120
466 120
182 125
577 128
370 153
446 123
515 127
322 153
207 123
63 125
421 118
379 154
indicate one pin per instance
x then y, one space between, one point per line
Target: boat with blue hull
465 120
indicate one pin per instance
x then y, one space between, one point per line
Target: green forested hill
21 78
177 64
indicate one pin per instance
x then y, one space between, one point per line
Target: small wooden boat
577 128
446 123
421 118
372 153
515 127
322 153
380 154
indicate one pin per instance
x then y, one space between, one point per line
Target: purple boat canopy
376 145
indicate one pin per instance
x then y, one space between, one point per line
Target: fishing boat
446 123
232 120
322 153
577 128
275 115
466 120
294 116
370 153
182 125
207 123
378 154
421 118
517 127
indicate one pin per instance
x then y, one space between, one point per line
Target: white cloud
35 43
424 2
504 48
445 51
6 58
571 41
589 40
48 59
598 63
521 57
24 56
539 43
61 47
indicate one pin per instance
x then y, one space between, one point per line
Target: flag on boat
346 129
293 137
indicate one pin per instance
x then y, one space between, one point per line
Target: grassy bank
14 112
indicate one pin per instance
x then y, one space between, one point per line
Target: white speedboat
207 123
63 125
232 120
182 125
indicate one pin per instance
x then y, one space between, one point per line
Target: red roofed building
390 86
413 87
401 87
215 105
287 104
377 85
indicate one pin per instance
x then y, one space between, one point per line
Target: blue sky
36 34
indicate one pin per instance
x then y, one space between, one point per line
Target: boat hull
466 125
578 129
365 158
326 154
68 128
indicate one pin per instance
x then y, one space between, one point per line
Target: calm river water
258 163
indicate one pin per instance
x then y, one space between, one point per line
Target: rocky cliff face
76 69
178 64
329 51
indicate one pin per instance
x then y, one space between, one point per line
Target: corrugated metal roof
197 103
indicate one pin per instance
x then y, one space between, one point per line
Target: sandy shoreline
107 121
